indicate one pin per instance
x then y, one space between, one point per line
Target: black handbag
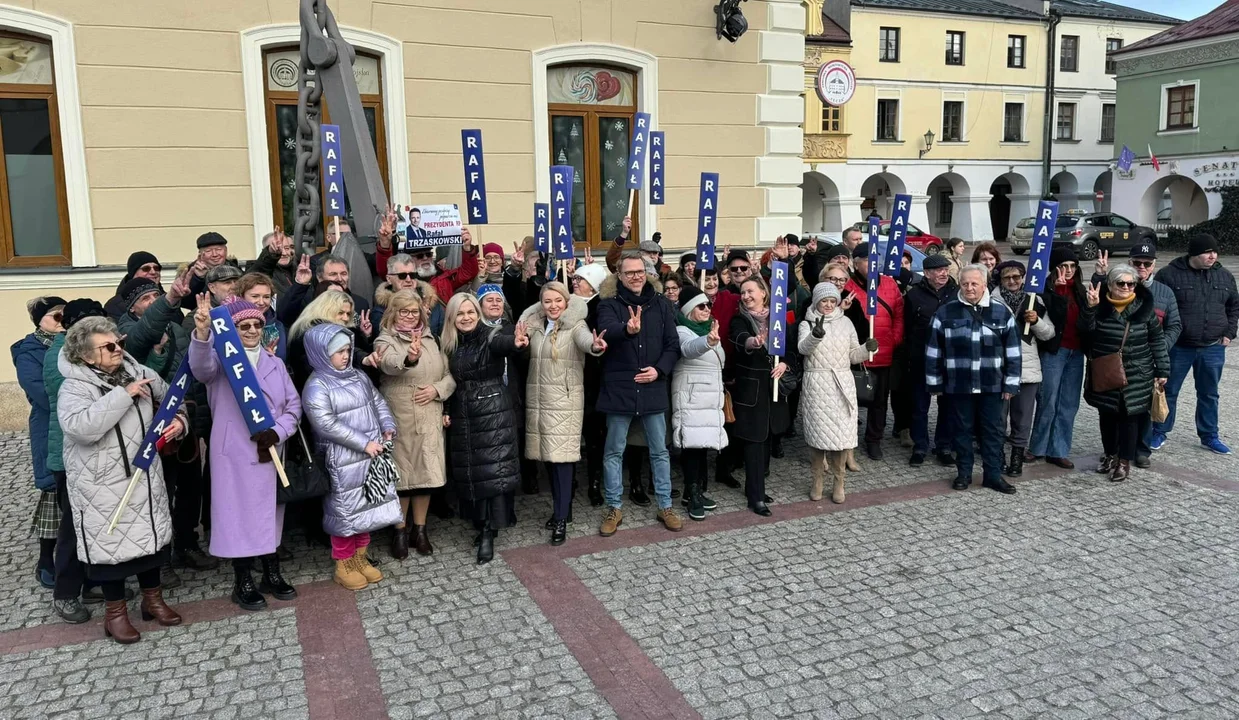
866 386
306 469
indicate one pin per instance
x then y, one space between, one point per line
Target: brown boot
421 541
116 623
838 469
1122 471
400 542
850 461
818 459
154 608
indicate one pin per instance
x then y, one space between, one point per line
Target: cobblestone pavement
1074 598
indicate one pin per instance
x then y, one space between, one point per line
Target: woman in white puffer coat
697 396
830 348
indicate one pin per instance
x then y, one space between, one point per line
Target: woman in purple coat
246 522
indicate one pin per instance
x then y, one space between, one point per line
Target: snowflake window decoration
292 184
610 227
290 144
611 184
620 161
619 125
609 145
620 203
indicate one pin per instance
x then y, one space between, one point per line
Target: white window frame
254 42
1164 106
959 97
72 141
643 64
885 94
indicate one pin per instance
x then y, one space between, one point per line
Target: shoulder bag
866 388
306 469
1106 372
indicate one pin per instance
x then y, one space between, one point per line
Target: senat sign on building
138 148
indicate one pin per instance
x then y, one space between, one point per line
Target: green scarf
701 328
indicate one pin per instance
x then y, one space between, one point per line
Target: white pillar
970 218
841 213
1022 206
919 215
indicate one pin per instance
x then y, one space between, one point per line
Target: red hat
489 248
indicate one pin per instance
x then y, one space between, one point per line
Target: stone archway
950 206
820 210
1103 184
1010 200
878 192
1066 190
1175 200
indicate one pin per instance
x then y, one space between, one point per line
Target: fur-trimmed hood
430 296
610 286
576 312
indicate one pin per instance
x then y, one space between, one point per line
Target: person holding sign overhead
246 522
104 407
760 413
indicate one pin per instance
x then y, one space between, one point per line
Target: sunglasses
1006 278
112 347
404 275
150 268
1125 283
1143 263
249 325
739 268
58 317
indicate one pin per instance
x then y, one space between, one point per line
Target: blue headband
489 288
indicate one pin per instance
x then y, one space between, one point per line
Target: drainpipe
1047 134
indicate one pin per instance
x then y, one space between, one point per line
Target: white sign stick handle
871 319
776 389
133 482
632 201
1032 299
279 466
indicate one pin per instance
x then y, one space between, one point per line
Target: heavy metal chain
317 23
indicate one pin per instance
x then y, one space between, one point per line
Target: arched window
282 74
34 215
591 109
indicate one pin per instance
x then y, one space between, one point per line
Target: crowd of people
427 389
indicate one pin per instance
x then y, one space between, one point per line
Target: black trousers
756 460
875 418
70 575
114 590
595 432
561 488
694 465
184 481
1120 433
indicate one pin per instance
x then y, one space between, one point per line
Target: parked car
917 238
1090 233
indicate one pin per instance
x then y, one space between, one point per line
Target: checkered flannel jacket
973 349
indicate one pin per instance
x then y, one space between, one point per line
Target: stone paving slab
242 667
1074 598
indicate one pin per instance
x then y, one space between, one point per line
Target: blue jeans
1206 366
983 411
1058 401
655 425
920 418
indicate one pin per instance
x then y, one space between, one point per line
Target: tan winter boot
838 468
850 461
348 576
818 460
362 563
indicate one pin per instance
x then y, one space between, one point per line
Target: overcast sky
1185 9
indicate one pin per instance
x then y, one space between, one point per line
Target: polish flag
1157 166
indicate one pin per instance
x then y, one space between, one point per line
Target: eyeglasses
249 326
112 347
1143 263
1017 278
1125 283
837 280
404 275
739 268
406 312
150 267
633 273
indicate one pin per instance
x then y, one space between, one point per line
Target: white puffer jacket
103 429
828 397
555 388
1043 329
697 394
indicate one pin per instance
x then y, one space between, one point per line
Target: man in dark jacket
141 264
639 326
935 288
212 253
973 355
1209 313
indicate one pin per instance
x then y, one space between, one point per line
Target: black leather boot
1015 467
244 592
559 532
273 583
595 491
486 545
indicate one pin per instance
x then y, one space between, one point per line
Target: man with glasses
1034 326
1209 314
643 348
935 288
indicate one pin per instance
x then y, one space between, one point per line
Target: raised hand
466 240
811 246
198 267
518 255
179 289
847 301
415 349
1094 294
202 316
819 327
363 323
1103 263
589 256
713 338
600 345
780 248
303 275
139 389
387 227
374 358
626 227
522 335
1060 275
634 320
425 394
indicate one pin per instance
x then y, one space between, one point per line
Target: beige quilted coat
555 388
828 397
419 450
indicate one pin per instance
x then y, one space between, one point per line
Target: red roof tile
1224 20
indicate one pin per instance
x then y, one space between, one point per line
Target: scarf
119 378
252 354
496 323
44 337
1120 305
408 327
1017 301
700 328
761 319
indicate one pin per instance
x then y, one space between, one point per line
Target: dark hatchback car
1090 233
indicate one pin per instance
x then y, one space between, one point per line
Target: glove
871 345
266 439
819 328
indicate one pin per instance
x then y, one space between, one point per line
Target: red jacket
726 305
888 325
445 283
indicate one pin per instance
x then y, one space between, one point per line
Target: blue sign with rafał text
561 211
475 176
542 227
777 341
333 172
658 167
637 151
707 221
873 279
897 235
241 376
172 400
1042 243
